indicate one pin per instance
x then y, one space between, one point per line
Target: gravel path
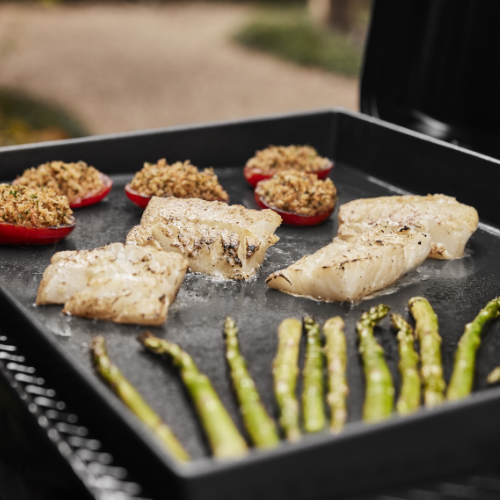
129 67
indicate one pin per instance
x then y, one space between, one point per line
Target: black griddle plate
362 456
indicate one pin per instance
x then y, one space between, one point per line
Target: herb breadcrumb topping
298 192
74 180
181 180
278 158
23 206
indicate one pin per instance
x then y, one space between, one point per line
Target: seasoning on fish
350 270
449 223
121 283
219 240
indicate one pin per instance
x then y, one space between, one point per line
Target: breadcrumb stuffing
23 206
298 192
181 180
73 180
278 158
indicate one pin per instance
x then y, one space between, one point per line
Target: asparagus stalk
465 355
409 396
379 397
312 393
427 332
223 436
336 355
494 376
259 424
129 395
285 371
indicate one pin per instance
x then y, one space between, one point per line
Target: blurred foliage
60 2
290 34
25 120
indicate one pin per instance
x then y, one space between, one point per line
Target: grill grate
484 485
101 474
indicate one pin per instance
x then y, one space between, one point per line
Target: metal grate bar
96 468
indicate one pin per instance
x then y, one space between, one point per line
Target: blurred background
75 68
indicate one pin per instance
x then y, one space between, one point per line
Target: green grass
290 35
24 119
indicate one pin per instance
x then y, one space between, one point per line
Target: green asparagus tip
335 322
416 299
285 371
409 394
335 351
259 425
144 337
399 323
379 393
230 328
147 339
375 314
312 392
98 346
431 367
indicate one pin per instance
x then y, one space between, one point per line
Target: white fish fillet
449 223
350 270
217 239
121 283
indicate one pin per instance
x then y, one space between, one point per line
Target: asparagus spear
409 397
336 355
465 355
223 436
494 376
259 424
129 395
427 332
312 393
379 397
285 371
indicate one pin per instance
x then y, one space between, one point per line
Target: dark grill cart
432 66
63 435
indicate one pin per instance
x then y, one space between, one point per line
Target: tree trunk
340 15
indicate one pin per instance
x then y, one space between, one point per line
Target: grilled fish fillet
449 223
121 283
350 270
217 239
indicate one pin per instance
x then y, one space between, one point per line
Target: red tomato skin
139 199
95 197
292 219
19 235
